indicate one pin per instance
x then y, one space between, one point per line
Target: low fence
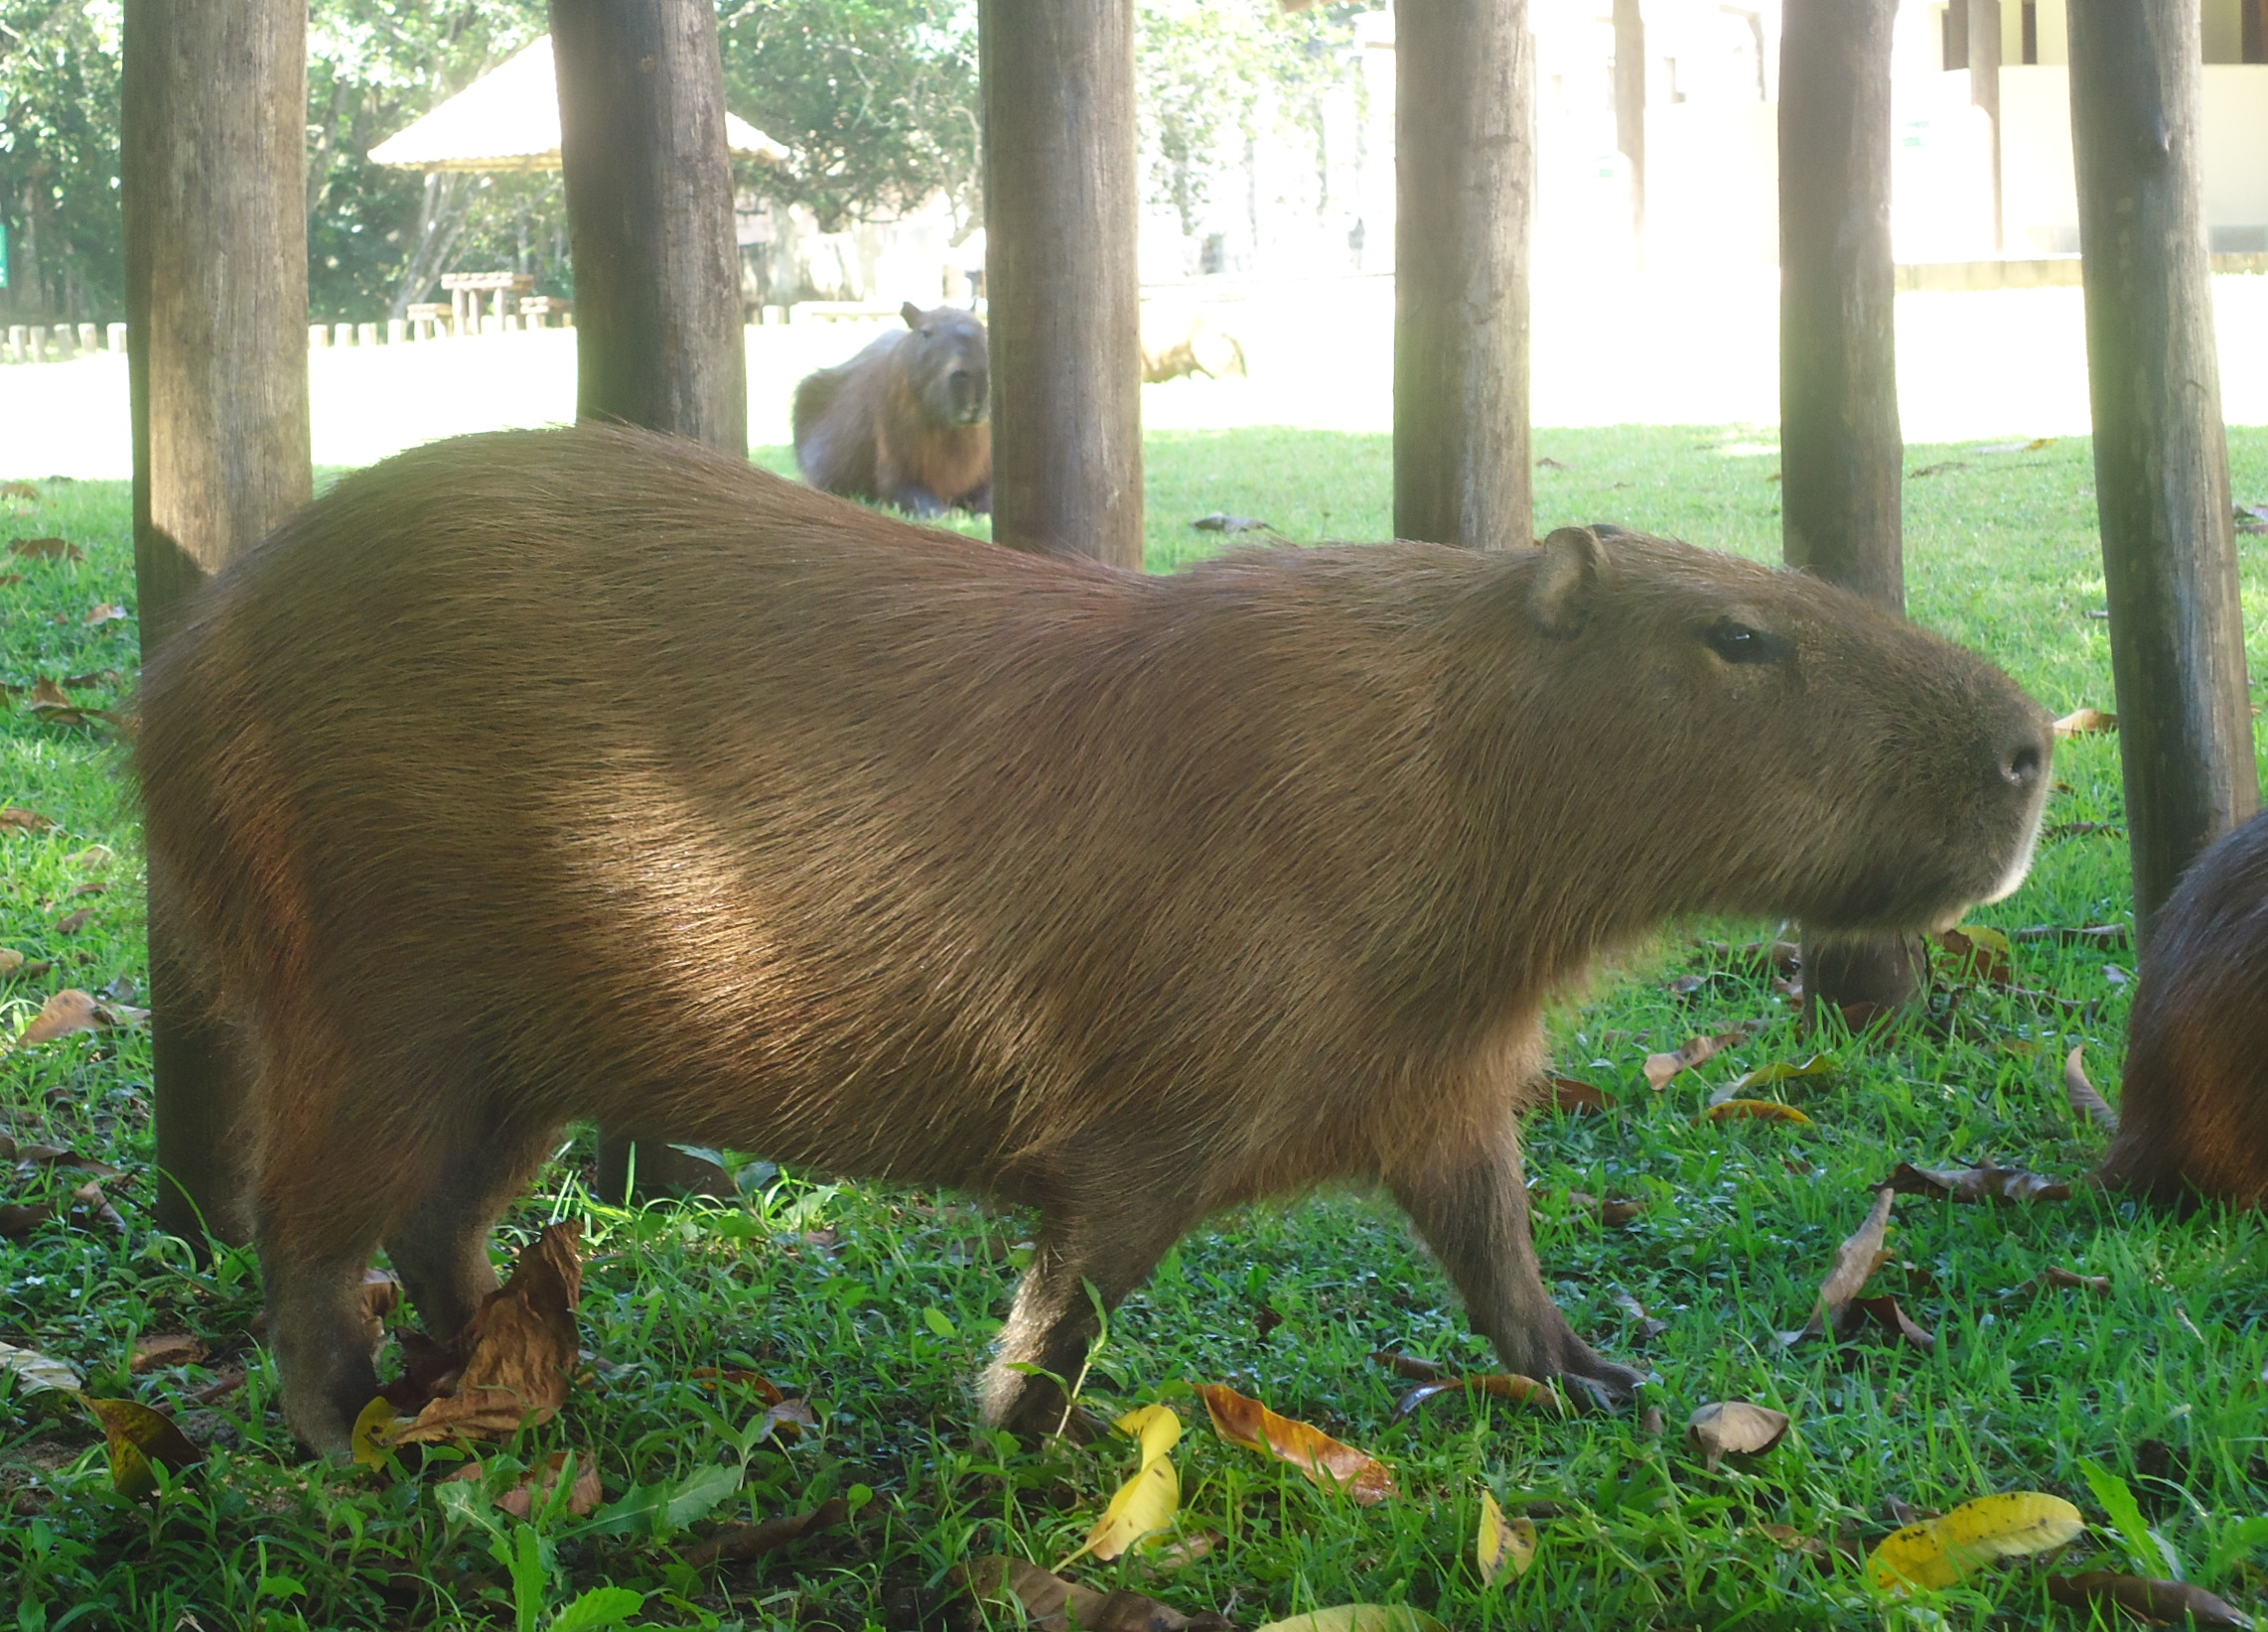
59 342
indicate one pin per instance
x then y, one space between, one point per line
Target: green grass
2158 1381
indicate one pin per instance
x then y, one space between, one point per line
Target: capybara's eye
1738 642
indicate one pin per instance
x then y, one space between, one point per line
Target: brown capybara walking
2193 1120
1128 898
905 422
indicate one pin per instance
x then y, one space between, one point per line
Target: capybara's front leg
321 1342
1470 1203
440 1246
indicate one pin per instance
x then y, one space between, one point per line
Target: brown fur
892 425
2194 1117
561 774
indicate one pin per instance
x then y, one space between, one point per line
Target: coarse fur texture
2192 1120
557 774
905 422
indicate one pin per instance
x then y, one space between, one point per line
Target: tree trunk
1984 92
214 167
1465 185
657 323
1630 109
2176 625
1061 203
649 205
1841 454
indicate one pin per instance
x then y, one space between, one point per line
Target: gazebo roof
509 119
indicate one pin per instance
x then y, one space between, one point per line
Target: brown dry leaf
1790 1540
1884 1315
1734 1428
29 820
2005 1187
2154 1601
70 924
1612 1212
741 1541
766 1388
92 677
381 1296
2070 1279
57 1156
1053 1605
106 612
1659 1068
154 1351
19 1219
46 549
2082 1094
93 886
69 1011
1978 954
96 1209
1578 1098
535 1487
1183 1552
1855 1263
19 489
1649 1327
140 1437
2105 935
1503 1385
1245 1421
2085 722
10 960
522 1347
1755 1110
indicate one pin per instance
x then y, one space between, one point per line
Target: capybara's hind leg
1470 1203
1052 1322
439 1245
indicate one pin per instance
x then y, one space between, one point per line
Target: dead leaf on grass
142 1440
1790 1540
1053 1605
712 1377
1753 1110
70 924
522 1348
1243 1420
34 1370
30 821
1785 1070
537 1484
106 612
1885 1315
1361 1618
1978 954
20 490
46 549
2005 1187
1649 1327
2104 935
741 1541
2181 1603
2069 1279
1502 1548
2085 722
1860 1255
1147 1503
55 1155
95 1208
2083 1095
69 1011
1659 1068
1612 1212
154 1351
20 1218
1576 1097
1734 1428
1939 1553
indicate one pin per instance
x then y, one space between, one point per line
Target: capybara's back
2194 1115
547 775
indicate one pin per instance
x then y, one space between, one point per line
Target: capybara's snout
967 393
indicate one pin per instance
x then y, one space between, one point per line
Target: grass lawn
878 1305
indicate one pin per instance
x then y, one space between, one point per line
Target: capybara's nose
2024 756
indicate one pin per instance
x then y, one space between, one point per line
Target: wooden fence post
1061 208
1841 454
213 163
2169 548
1465 191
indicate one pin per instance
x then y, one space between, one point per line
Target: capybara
586 773
2193 1120
905 421
1180 340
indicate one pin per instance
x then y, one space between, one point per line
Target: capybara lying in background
1127 898
905 422
2194 1117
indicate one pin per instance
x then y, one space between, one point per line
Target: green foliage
59 158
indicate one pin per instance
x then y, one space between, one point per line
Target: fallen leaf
1734 1428
1361 1618
2080 830
227 1383
2152 1600
106 612
1503 1548
1659 1068
766 1388
1148 1502
2085 723
1649 1326
93 886
1786 1070
10 960
522 1347
29 820
19 1219
70 924
1758 1110
1501 1384
10 579
55 1155
1941 468
1939 1552
46 549
2003 1186
537 1484
1219 521
97 1207
744 1540
2082 1094
1885 1315
1181 1554
1860 1255
373 1430
1576 1097
2101 934
142 1440
1053 1605
2071 1278
1979 953
1612 1212
1334 1467
92 677
19 489
69 1011
1790 1540
35 1371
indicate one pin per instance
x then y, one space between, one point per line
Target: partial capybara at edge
2193 1120
905 422
1127 898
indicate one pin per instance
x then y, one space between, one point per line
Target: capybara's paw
1600 1386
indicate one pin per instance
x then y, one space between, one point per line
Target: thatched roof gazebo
508 120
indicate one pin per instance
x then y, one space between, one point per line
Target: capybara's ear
1566 581
912 313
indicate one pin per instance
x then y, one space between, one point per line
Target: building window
2256 31
2032 29
1954 20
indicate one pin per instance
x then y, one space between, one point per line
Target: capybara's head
946 364
1763 742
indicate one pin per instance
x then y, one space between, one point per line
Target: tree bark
2176 625
214 179
649 205
1841 452
1465 188
1984 92
1630 109
1061 208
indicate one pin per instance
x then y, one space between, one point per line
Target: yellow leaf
1502 1545
141 1439
1759 1110
1329 1462
2085 722
1943 1551
1146 1503
369 1438
1361 1618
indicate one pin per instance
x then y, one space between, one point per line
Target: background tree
58 160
